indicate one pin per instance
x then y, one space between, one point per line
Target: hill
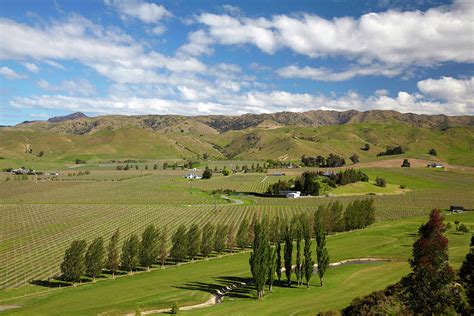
284 136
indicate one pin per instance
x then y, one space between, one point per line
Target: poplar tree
242 234
296 226
130 249
259 258
179 249
73 265
207 242
149 246
220 238
308 263
280 238
288 252
466 274
94 258
321 251
163 246
230 240
194 241
272 266
113 256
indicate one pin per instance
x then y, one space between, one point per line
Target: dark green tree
207 242
95 258
308 263
298 234
433 152
207 174
354 158
280 240
288 252
194 241
220 238
272 266
428 287
130 249
242 234
179 248
73 265
321 251
113 255
259 258
230 240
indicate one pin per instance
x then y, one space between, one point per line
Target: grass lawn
192 283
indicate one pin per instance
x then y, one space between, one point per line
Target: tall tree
297 234
179 248
207 242
337 216
130 249
280 240
113 256
288 252
220 237
308 263
321 251
428 289
194 241
73 265
230 240
242 234
272 266
259 258
163 246
466 274
95 258
149 246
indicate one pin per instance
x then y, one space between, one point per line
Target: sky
234 57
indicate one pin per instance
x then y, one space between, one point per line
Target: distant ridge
72 116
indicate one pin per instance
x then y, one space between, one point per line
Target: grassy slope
190 283
454 145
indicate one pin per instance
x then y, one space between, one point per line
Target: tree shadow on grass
52 283
241 291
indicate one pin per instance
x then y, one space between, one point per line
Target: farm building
277 174
290 194
435 165
192 176
456 209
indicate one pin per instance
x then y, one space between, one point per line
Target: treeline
307 184
156 248
397 150
331 161
271 238
345 177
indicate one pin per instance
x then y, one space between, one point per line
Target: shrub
366 147
433 152
391 151
403 186
381 182
463 228
406 163
174 308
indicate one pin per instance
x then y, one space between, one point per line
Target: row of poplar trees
269 240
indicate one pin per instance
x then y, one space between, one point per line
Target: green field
192 283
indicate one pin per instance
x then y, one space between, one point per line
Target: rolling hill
285 136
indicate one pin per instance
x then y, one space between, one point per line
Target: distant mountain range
283 136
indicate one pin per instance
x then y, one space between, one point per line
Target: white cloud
145 11
449 89
80 87
31 67
233 10
324 74
158 30
10 73
440 34
199 44
219 100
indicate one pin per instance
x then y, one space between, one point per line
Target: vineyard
40 218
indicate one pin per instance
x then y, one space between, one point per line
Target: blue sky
224 57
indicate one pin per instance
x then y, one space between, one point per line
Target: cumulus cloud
103 49
324 74
80 87
10 74
437 35
215 99
31 67
144 11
